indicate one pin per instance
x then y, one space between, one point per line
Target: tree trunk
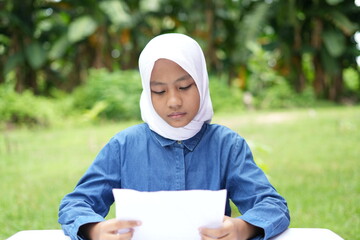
212 60
336 88
26 77
80 66
100 44
316 42
300 77
319 81
297 60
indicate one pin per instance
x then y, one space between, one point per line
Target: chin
177 125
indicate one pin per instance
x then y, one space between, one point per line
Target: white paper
39 235
170 215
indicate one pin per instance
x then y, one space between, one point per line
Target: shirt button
179 142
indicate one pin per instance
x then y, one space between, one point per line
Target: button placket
180 168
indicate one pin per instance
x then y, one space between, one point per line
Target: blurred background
275 54
284 74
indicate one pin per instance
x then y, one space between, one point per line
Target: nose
174 100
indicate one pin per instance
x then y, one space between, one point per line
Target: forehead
166 71
166 66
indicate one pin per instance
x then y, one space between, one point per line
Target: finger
113 225
204 237
225 230
214 233
127 235
123 236
127 224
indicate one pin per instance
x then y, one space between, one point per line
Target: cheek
196 99
156 103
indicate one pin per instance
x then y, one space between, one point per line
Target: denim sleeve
257 200
92 197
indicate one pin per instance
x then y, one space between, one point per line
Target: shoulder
220 131
139 131
220 135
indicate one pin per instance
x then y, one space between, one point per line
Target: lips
176 115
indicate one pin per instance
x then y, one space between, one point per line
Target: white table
290 234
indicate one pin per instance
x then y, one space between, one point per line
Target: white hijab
187 53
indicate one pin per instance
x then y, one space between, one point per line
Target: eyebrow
185 77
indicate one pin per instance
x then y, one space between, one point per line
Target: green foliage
225 98
282 96
109 95
35 55
51 44
115 96
271 90
105 96
352 81
81 28
25 109
249 30
116 12
276 96
335 42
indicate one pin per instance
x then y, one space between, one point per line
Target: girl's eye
185 88
158 92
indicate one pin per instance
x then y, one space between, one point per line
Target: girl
175 149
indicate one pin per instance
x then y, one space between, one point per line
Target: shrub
281 95
225 98
25 109
269 88
109 95
115 95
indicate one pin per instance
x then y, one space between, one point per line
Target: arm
91 199
260 204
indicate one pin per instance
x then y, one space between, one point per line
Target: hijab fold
187 53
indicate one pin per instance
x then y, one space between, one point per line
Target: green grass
313 161
312 157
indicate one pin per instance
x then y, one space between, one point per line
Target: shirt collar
190 143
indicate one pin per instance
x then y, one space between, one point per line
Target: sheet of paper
170 215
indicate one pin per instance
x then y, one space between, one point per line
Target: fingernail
123 230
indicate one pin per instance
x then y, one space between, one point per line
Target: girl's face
174 93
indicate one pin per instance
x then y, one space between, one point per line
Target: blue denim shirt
138 158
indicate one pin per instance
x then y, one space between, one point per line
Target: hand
112 229
231 229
